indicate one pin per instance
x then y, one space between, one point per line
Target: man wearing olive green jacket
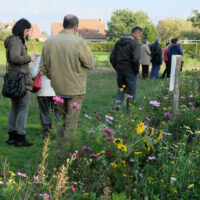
64 60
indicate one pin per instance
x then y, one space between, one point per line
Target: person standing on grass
18 61
175 49
167 61
65 59
125 58
45 100
145 58
156 54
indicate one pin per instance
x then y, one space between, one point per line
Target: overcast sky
43 12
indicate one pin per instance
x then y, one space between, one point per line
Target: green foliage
4 34
195 19
122 22
173 27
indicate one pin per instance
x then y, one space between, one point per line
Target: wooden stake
175 106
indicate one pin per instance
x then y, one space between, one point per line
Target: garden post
176 68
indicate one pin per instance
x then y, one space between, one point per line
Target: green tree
122 22
4 34
173 27
195 19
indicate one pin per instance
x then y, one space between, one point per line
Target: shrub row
106 47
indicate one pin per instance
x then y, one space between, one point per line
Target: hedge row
106 47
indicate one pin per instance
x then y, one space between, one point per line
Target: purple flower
45 196
131 160
109 117
182 97
107 130
75 105
93 155
192 106
167 115
86 148
155 103
108 139
152 158
87 117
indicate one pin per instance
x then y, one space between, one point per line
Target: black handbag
14 86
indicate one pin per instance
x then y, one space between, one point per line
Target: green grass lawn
102 81
101 91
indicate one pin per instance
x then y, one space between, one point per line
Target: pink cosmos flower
192 106
108 139
86 148
155 103
58 99
107 130
73 155
75 106
73 189
36 179
21 174
45 196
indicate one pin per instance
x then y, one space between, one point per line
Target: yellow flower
121 89
140 128
162 181
124 175
175 191
123 86
147 145
152 131
190 186
117 141
159 137
197 132
138 153
164 109
122 147
100 153
12 174
113 165
123 162
149 178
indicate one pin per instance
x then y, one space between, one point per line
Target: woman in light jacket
145 58
18 61
45 100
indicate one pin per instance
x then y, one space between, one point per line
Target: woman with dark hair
18 61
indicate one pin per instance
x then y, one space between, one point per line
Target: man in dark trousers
125 59
156 54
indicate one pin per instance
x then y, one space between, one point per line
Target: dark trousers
45 103
129 80
145 71
167 69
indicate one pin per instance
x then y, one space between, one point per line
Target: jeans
129 79
18 114
155 71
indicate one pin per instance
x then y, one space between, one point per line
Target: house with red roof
90 29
